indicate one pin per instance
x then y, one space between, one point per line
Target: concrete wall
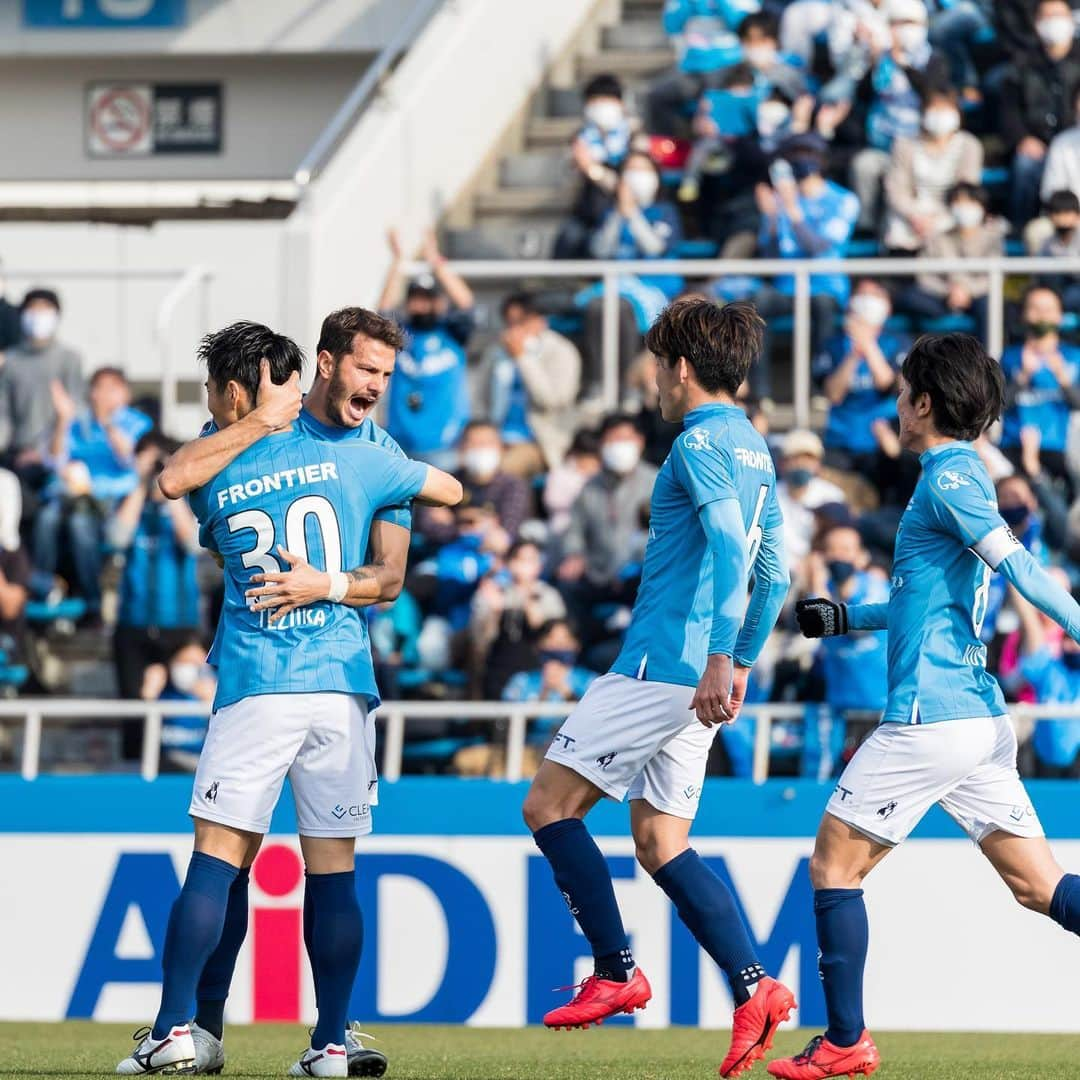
274 107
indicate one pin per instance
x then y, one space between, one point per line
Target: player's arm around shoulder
440 488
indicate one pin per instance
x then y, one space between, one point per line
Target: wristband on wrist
339 587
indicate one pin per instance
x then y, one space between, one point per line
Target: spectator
1038 91
957 27
564 482
924 169
15 575
10 329
888 102
1063 209
1062 172
528 382
159 596
1014 26
638 227
973 236
1041 385
508 610
92 453
186 676
559 677
603 544
428 402
857 371
1050 665
598 151
803 216
641 390
27 412
706 42
394 629
801 491
759 40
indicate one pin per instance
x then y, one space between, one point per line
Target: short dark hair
605 85
108 371
524 300
970 191
764 21
736 75
618 419
481 423
1039 286
965 384
719 343
157 438
548 625
340 328
520 545
50 296
236 354
585 441
1062 202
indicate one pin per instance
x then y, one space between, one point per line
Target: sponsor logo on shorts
1018 813
211 792
357 810
886 810
604 760
843 792
567 740
691 792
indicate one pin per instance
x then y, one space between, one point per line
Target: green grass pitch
455 1053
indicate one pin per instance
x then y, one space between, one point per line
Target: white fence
802 270
394 715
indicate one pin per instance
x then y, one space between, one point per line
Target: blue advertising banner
103 14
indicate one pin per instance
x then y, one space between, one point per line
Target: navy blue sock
309 922
843 937
195 924
217 976
337 936
706 906
1065 906
582 877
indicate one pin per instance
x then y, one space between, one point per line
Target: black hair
617 419
737 75
548 625
764 21
1063 202
50 296
586 441
524 300
605 85
478 424
965 384
518 545
1039 286
236 353
719 343
971 191
640 152
108 371
157 438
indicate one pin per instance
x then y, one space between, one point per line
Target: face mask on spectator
643 186
424 322
1072 660
840 571
803 168
606 115
760 56
1041 329
771 117
941 121
798 478
40 324
1014 516
565 657
482 462
911 37
968 214
1056 30
184 675
870 308
620 456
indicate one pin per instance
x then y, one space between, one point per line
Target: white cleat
363 1060
173 1054
209 1051
331 1060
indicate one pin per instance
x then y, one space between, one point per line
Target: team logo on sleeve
696 439
952 481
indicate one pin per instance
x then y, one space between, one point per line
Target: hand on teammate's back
277 406
712 700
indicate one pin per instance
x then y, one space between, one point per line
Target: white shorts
636 738
966 766
324 742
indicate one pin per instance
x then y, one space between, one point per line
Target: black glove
820 617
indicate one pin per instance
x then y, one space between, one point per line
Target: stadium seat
72 608
697 249
950 324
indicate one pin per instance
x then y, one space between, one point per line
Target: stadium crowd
800 130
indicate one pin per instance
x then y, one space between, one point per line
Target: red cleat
822 1058
597 999
754 1025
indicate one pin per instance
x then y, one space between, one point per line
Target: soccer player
294 696
689 649
354 362
945 736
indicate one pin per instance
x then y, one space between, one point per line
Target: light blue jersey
316 499
951 539
720 456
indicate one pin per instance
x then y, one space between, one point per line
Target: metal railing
339 125
801 270
395 715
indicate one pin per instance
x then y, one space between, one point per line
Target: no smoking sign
120 120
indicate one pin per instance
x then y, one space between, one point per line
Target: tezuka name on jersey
287 478
300 619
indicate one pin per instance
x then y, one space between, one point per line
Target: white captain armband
995 547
